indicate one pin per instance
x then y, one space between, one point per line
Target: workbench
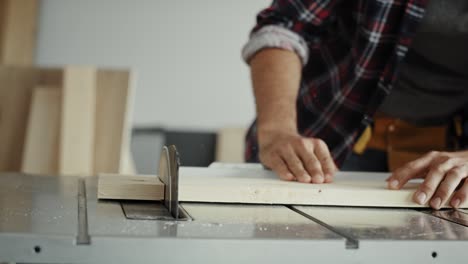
49 219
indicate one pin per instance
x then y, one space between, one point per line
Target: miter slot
83 237
452 215
351 242
371 224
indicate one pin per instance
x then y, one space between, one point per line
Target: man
330 76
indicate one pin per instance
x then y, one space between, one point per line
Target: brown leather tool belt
403 141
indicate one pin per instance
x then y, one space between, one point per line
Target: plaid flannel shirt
350 52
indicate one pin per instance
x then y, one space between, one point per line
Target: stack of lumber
67 121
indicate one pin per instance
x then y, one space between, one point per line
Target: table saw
49 219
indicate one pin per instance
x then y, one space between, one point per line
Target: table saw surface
43 221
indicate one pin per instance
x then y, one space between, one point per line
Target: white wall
186 54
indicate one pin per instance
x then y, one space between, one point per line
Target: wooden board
239 185
15 98
128 187
76 152
127 165
18 23
40 153
114 93
230 144
16 85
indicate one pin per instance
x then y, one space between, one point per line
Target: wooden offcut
238 185
40 153
130 187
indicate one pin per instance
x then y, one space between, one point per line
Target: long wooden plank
130 187
40 153
114 93
76 153
239 185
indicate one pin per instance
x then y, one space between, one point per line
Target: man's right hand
276 76
294 157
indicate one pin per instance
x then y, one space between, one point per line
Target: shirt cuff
273 36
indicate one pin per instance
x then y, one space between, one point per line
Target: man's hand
276 76
444 174
294 157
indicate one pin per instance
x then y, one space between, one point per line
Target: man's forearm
276 77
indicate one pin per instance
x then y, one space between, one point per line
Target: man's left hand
444 173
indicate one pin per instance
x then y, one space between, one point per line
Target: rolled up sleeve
291 25
276 37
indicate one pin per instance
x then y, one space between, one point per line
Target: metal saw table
46 219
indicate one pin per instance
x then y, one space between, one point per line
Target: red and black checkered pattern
355 48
